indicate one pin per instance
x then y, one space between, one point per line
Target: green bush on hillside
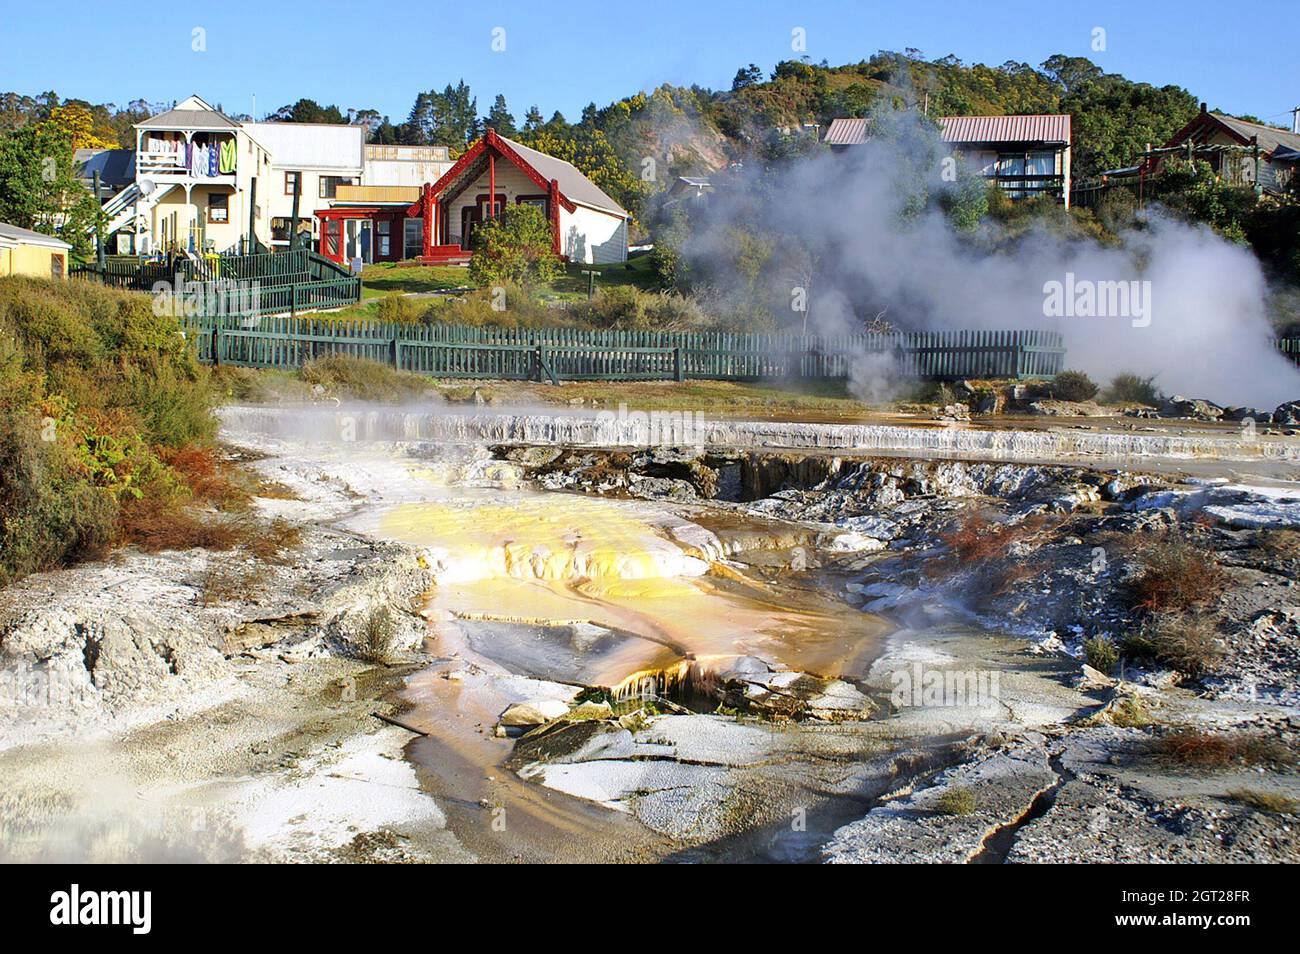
95 390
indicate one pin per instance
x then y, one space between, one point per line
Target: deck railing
238 285
556 354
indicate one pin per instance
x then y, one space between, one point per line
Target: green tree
500 118
590 151
514 249
39 188
309 111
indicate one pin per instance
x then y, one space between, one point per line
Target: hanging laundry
229 151
212 160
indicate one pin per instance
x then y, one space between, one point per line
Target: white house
206 182
586 224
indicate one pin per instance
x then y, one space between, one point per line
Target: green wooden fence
1290 347
253 285
556 354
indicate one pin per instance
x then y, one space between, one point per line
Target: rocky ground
1060 768
234 699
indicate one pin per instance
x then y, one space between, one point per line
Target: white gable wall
592 236
510 182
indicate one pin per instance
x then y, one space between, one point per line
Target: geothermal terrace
610 637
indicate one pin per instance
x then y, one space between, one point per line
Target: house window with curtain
384 229
1041 164
1012 165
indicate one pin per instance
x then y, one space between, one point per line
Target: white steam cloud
877 245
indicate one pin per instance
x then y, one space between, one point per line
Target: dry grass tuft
956 801
1188 642
226 581
1197 749
1270 802
1175 575
376 635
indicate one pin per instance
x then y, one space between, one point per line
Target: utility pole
1295 120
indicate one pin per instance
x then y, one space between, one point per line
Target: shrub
504 305
976 540
401 309
1129 388
956 801
1129 712
1187 642
361 379
224 581
1101 653
1072 386
1173 574
515 248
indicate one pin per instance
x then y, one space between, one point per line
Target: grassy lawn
364 380
573 283
384 278
820 400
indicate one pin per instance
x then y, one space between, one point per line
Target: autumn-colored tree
78 123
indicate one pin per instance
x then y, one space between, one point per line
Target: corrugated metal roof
332 146
116 167
1040 128
967 129
12 234
1268 137
577 187
846 132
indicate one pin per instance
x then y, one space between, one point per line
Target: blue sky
561 56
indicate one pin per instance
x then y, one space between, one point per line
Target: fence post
394 353
679 373
216 342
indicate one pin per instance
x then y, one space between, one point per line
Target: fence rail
1290 348
556 354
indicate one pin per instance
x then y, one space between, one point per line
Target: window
292 183
56 265
385 230
412 238
537 200
327 186
218 207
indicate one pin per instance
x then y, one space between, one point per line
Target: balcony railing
1031 185
171 165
